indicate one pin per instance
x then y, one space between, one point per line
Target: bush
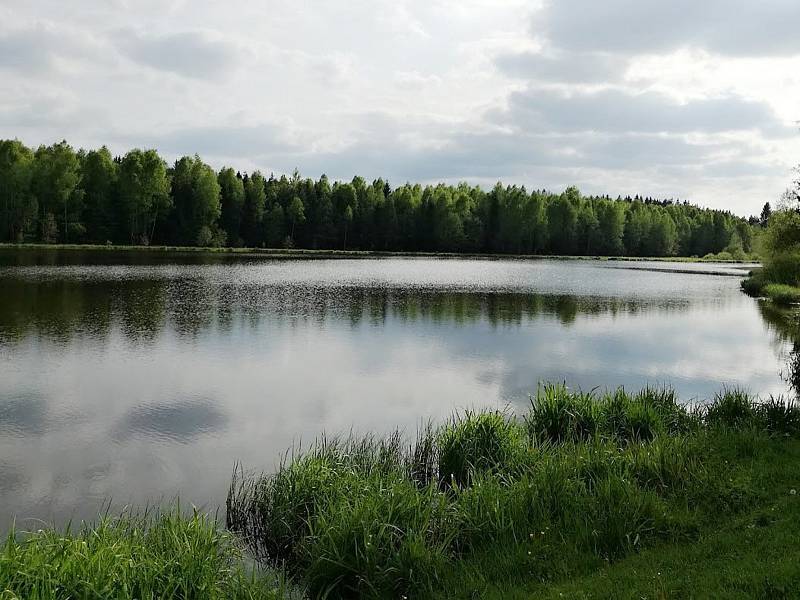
754 284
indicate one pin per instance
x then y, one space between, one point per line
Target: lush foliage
580 479
58 195
779 279
166 555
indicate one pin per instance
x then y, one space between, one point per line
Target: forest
55 194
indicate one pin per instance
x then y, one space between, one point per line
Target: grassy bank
300 253
493 504
166 555
614 495
760 285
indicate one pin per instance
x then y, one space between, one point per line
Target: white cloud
544 94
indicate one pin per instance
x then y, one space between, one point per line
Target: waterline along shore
594 494
302 253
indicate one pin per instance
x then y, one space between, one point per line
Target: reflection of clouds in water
11 478
180 422
168 374
23 415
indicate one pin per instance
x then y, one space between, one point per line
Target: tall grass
598 473
166 555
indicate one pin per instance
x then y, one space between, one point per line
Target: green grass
165 555
782 294
489 501
750 553
760 284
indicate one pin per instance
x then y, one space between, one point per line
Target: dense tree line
56 195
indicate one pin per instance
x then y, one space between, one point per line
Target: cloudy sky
697 100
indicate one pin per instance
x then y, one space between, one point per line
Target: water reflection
142 381
22 415
142 310
180 422
785 325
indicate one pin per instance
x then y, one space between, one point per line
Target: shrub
783 267
754 284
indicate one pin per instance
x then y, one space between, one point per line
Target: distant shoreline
302 253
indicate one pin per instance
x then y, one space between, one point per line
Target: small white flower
793 492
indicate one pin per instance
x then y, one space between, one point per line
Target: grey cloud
497 154
727 169
249 142
28 49
566 67
193 54
612 110
38 49
734 27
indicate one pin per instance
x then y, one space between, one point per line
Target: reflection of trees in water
60 310
785 325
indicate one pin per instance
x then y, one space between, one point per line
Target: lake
138 377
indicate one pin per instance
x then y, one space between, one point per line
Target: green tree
276 226
344 200
611 227
18 203
296 214
232 204
253 212
99 183
562 219
196 199
144 193
55 181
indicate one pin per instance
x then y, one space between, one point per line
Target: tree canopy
55 194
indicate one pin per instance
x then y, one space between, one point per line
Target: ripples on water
142 381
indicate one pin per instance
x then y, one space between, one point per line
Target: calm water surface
139 378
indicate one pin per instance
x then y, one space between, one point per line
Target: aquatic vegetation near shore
600 475
156 555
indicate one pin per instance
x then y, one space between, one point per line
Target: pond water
139 377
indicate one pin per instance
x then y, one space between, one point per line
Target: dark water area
137 377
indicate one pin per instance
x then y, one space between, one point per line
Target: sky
680 99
